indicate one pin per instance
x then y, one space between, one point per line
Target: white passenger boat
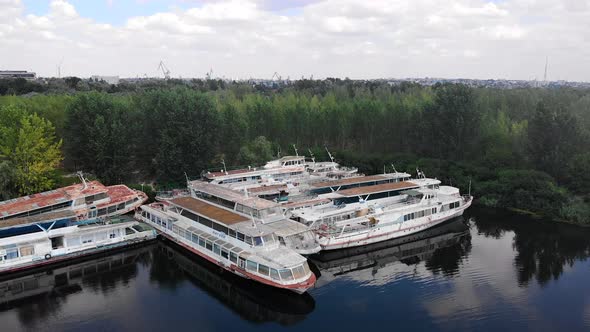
230 240
288 167
41 240
346 203
412 211
290 233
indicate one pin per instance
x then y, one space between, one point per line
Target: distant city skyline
472 39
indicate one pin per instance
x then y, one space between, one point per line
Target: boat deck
208 210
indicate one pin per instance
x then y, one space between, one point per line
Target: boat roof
359 180
310 202
118 193
275 188
286 227
38 218
212 175
232 195
378 188
48 198
208 210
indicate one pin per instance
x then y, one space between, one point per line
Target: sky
359 39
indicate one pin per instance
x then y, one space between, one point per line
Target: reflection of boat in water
251 300
43 288
409 250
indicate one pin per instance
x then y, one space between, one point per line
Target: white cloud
358 39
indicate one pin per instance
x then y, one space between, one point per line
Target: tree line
522 148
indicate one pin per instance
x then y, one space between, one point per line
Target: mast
329 154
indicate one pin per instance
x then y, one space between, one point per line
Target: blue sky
113 12
116 12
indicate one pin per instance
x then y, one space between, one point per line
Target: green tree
256 152
33 151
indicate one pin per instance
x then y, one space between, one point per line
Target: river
487 271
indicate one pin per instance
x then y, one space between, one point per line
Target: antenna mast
311 154
223 163
329 154
394 170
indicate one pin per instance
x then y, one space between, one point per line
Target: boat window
111 209
306 268
90 199
233 257
286 274
298 272
263 269
240 236
274 274
202 242
102 212
224 254
251 266
195 238
121 206
248 240
433 210
208 245
257 241
220 228
27 251
268 239
231 233
216 249
11 253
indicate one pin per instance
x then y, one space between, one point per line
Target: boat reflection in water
40 294
380 258
252 301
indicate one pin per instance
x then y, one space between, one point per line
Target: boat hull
374 236
298 288
54 260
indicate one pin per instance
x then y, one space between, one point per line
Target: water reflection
252 301
543 249
441 248
40 295
476 273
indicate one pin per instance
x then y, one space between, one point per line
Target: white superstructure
230 240
39 240
410 212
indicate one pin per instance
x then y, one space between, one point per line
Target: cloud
358 39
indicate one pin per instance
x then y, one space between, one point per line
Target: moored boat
87 200
229 240
40 240
413 211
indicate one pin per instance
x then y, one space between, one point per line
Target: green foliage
256 152
100 135
29 151
523 189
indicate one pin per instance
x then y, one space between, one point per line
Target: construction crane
164 69
275 75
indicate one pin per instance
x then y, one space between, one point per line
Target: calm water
482 272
